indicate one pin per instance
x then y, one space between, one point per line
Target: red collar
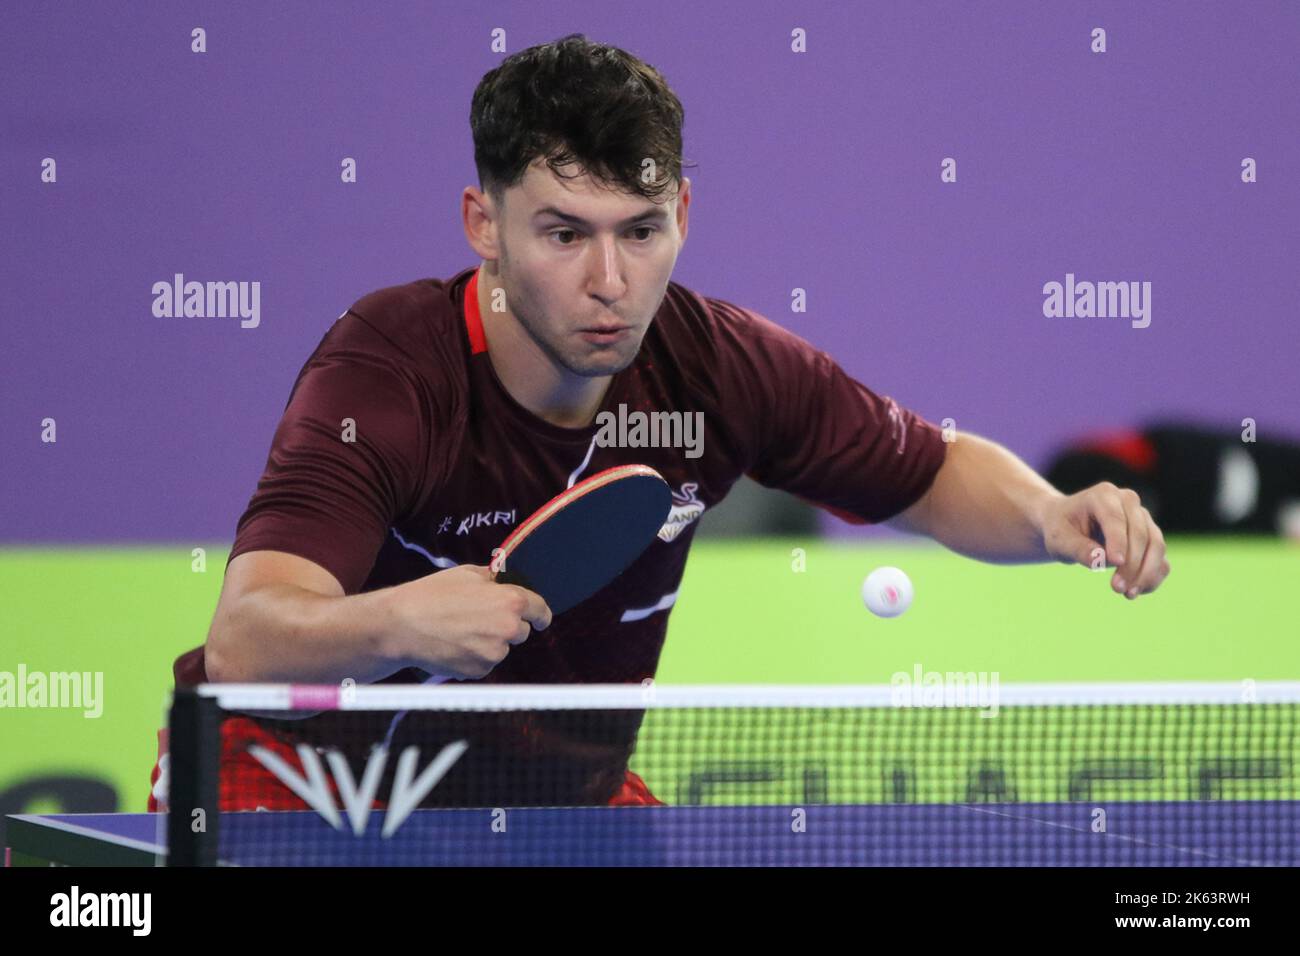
473 320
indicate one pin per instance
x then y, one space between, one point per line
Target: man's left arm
988 504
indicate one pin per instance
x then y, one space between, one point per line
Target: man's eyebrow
659 212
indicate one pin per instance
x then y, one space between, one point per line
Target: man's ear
478 214
683 204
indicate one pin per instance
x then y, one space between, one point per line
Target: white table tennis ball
887 592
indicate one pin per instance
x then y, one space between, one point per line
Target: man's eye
648 230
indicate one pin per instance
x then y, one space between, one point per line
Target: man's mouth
604 334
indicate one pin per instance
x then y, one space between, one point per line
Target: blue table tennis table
1185 833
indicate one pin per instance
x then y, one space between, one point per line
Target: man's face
585 268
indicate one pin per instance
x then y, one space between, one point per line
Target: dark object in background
752 509
57 793
1192 479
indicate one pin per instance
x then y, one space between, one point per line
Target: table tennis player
434 416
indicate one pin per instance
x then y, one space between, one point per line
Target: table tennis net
1160 774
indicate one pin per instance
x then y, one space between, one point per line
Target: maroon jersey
445 463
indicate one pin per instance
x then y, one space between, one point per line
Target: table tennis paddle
585 537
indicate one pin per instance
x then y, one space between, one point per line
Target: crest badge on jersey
686 509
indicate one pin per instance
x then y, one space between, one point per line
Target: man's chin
597 366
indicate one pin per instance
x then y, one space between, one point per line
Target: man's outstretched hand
1073 525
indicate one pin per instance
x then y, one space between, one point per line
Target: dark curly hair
577 102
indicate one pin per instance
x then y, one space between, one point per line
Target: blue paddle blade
583 539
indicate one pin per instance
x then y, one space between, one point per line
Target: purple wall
817 170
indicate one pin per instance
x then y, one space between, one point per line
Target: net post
195 751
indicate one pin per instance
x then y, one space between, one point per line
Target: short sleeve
818 433
348 457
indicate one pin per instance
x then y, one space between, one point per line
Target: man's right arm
283 618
